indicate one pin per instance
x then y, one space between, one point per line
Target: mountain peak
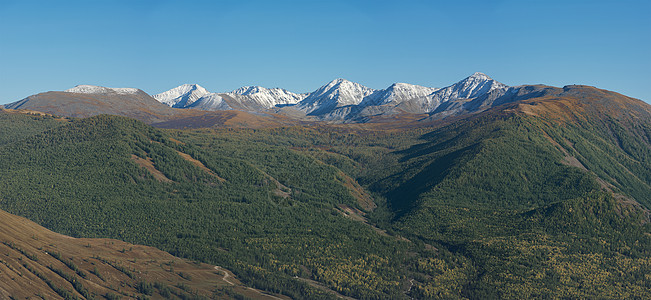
336 93
473 86
249 89
399 84
399 92
478 83
479 75
340 82
267 98
191 86
182 95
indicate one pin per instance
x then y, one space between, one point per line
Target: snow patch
92 89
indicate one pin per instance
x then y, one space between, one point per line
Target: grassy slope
55 266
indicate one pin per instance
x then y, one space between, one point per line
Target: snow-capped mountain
92 89
398 93
212 101
337 93
265 97
181 96
342 100
475 85
339 100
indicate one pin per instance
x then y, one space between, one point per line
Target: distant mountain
87 100
181 96
337 93
403 97
476 85
398 93
92 89
210 102
192 96
248 98
264 97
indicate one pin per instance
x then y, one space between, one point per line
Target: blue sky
301 45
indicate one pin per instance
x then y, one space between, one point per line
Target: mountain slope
210 102
55 266
86 101
544 195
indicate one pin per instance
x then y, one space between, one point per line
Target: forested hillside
539 198
276 215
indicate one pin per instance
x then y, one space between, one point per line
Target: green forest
501 205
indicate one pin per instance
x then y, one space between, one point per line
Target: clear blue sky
301 45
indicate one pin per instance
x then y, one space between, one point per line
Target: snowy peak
92 89
341 99
248 90
210 101
337 93
348 88
473 86
479 76
181 96
265 97
400 92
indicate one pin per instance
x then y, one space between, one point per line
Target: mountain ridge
338 101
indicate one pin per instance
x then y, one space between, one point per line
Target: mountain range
339 101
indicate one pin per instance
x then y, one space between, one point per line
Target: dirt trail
226 275
258 293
